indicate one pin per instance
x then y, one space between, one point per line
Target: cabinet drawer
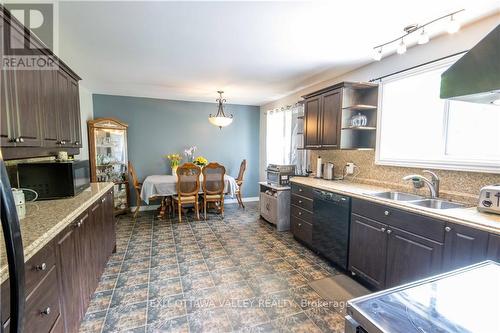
42 306
302 202
37 268
417 224
302 190
301 230
302 214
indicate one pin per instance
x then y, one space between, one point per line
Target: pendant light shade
401 47
220 119
423 38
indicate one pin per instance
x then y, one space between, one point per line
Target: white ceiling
255 51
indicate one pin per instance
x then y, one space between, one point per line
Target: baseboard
226 201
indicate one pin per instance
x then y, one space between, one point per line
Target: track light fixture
423 38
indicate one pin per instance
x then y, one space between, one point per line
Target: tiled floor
236 274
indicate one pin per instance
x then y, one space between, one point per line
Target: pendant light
220 119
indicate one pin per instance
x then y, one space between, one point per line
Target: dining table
165 186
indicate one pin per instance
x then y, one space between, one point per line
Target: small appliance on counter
328 171
280 174
54 179
489 199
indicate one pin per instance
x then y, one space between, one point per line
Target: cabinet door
109 215
74 98
27 120
49 108
99 239
464 246
87 273
494 247
6 109
330 119
368 250
64 115
68 266
410 257
312 114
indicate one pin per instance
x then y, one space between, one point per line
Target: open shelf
363 107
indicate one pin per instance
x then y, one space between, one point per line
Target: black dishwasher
330 236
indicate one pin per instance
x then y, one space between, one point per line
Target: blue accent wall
158 127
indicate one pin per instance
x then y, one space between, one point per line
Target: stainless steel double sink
416 200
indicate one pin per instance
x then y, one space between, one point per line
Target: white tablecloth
166 185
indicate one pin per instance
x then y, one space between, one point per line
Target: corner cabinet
343 116
109 158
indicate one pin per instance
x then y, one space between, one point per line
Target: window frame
446 162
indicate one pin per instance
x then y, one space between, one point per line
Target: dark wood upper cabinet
39 108
28 97
368 250
49 109
464 246
410 257
312 113
330 118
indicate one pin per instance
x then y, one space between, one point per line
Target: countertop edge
49 235
442 215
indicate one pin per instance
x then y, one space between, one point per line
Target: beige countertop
465 216
46 219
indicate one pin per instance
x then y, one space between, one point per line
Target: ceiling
255 51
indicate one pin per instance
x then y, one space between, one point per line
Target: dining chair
136 186
213 186
239 182
188 186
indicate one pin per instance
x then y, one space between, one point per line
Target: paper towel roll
318 167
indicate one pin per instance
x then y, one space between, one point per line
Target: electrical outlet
349 168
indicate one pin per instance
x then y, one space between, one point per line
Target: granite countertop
436 304
465 216
46 219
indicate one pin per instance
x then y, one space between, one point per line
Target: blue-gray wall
158 127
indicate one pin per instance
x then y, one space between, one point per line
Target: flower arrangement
175 160
189 153
200 161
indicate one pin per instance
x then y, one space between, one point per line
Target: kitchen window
418 129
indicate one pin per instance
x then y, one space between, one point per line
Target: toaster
489 199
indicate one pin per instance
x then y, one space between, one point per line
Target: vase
174 170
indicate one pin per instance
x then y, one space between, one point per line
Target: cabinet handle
447 229
353 274
387 213
382 229
389 231
77 143
41 267
21 139
300 190
300 224
300 201
300 213
16 140
79 223
103 199
46 311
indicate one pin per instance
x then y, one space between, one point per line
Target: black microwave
55 179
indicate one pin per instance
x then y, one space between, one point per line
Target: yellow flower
200 160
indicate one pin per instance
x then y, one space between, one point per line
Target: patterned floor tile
125 317
232 274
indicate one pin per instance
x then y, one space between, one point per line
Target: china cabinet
108 158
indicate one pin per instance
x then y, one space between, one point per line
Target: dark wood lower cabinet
411 257
464 246
494 247
368 250
62 276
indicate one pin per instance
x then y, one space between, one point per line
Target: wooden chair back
213 178
188 179
243 167
133 174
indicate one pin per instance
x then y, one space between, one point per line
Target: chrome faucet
419 181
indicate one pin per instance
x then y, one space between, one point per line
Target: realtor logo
20 48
